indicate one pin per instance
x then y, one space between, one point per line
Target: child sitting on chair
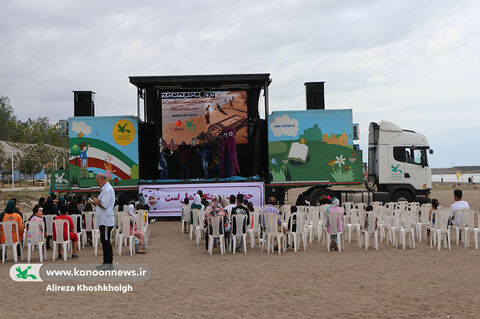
136 231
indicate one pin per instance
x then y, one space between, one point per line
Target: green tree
6 117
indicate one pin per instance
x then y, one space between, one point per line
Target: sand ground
186 282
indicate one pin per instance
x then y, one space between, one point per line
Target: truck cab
398 162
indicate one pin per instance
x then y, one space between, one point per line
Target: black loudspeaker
315 95
84 103
154 109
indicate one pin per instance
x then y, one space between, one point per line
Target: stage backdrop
166 200
195 115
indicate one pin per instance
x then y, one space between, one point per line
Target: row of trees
30 131
39 143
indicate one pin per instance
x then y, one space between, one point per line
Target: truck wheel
402 195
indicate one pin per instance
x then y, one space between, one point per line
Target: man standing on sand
105 219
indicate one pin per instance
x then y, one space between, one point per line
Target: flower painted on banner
285 161
352 159
274 162
331 163
340 160
302 141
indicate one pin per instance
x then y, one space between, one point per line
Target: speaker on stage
84 103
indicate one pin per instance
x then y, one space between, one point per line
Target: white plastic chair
313 223
272 232
423 221
77 228
254 227
297 219
89 227
239 220
353 222
348 206
476 231
36 229
7 229
66 243
198 218
216 229
371 229
335 228
119 225
185 218
360 206
441 228
48 220
409 222
125 233
469 219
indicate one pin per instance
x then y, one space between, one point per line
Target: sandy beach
188 283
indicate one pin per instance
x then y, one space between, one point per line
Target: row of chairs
393 222
36 231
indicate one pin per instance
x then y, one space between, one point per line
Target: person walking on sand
104 218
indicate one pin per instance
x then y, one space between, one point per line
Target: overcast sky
415 63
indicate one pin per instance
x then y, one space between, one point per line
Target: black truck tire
402 195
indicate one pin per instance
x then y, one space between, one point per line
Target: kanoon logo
397 173
26 272
123 132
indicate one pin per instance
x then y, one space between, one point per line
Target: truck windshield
411 155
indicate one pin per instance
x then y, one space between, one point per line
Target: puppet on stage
228 160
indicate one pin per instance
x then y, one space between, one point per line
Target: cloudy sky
415 63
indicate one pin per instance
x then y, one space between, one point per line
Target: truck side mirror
430 151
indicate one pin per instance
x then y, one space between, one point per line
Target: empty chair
348 206
215 229
469 219
353 223
441 229
272 232
89 226
10 232
402 205
126 234
476 230
423 220
390 205
313 223
360 206
59 239
35 230
254 227
376 205
370 228
198 218
239 230
409 222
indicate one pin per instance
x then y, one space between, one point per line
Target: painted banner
192 117
103 144
313 146
166 200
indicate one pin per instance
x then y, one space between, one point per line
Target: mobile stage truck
205 132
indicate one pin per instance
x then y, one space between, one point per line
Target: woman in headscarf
10 214
197 202
49 207
334 211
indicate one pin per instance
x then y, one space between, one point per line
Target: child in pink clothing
335 211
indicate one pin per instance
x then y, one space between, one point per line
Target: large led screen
195 117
